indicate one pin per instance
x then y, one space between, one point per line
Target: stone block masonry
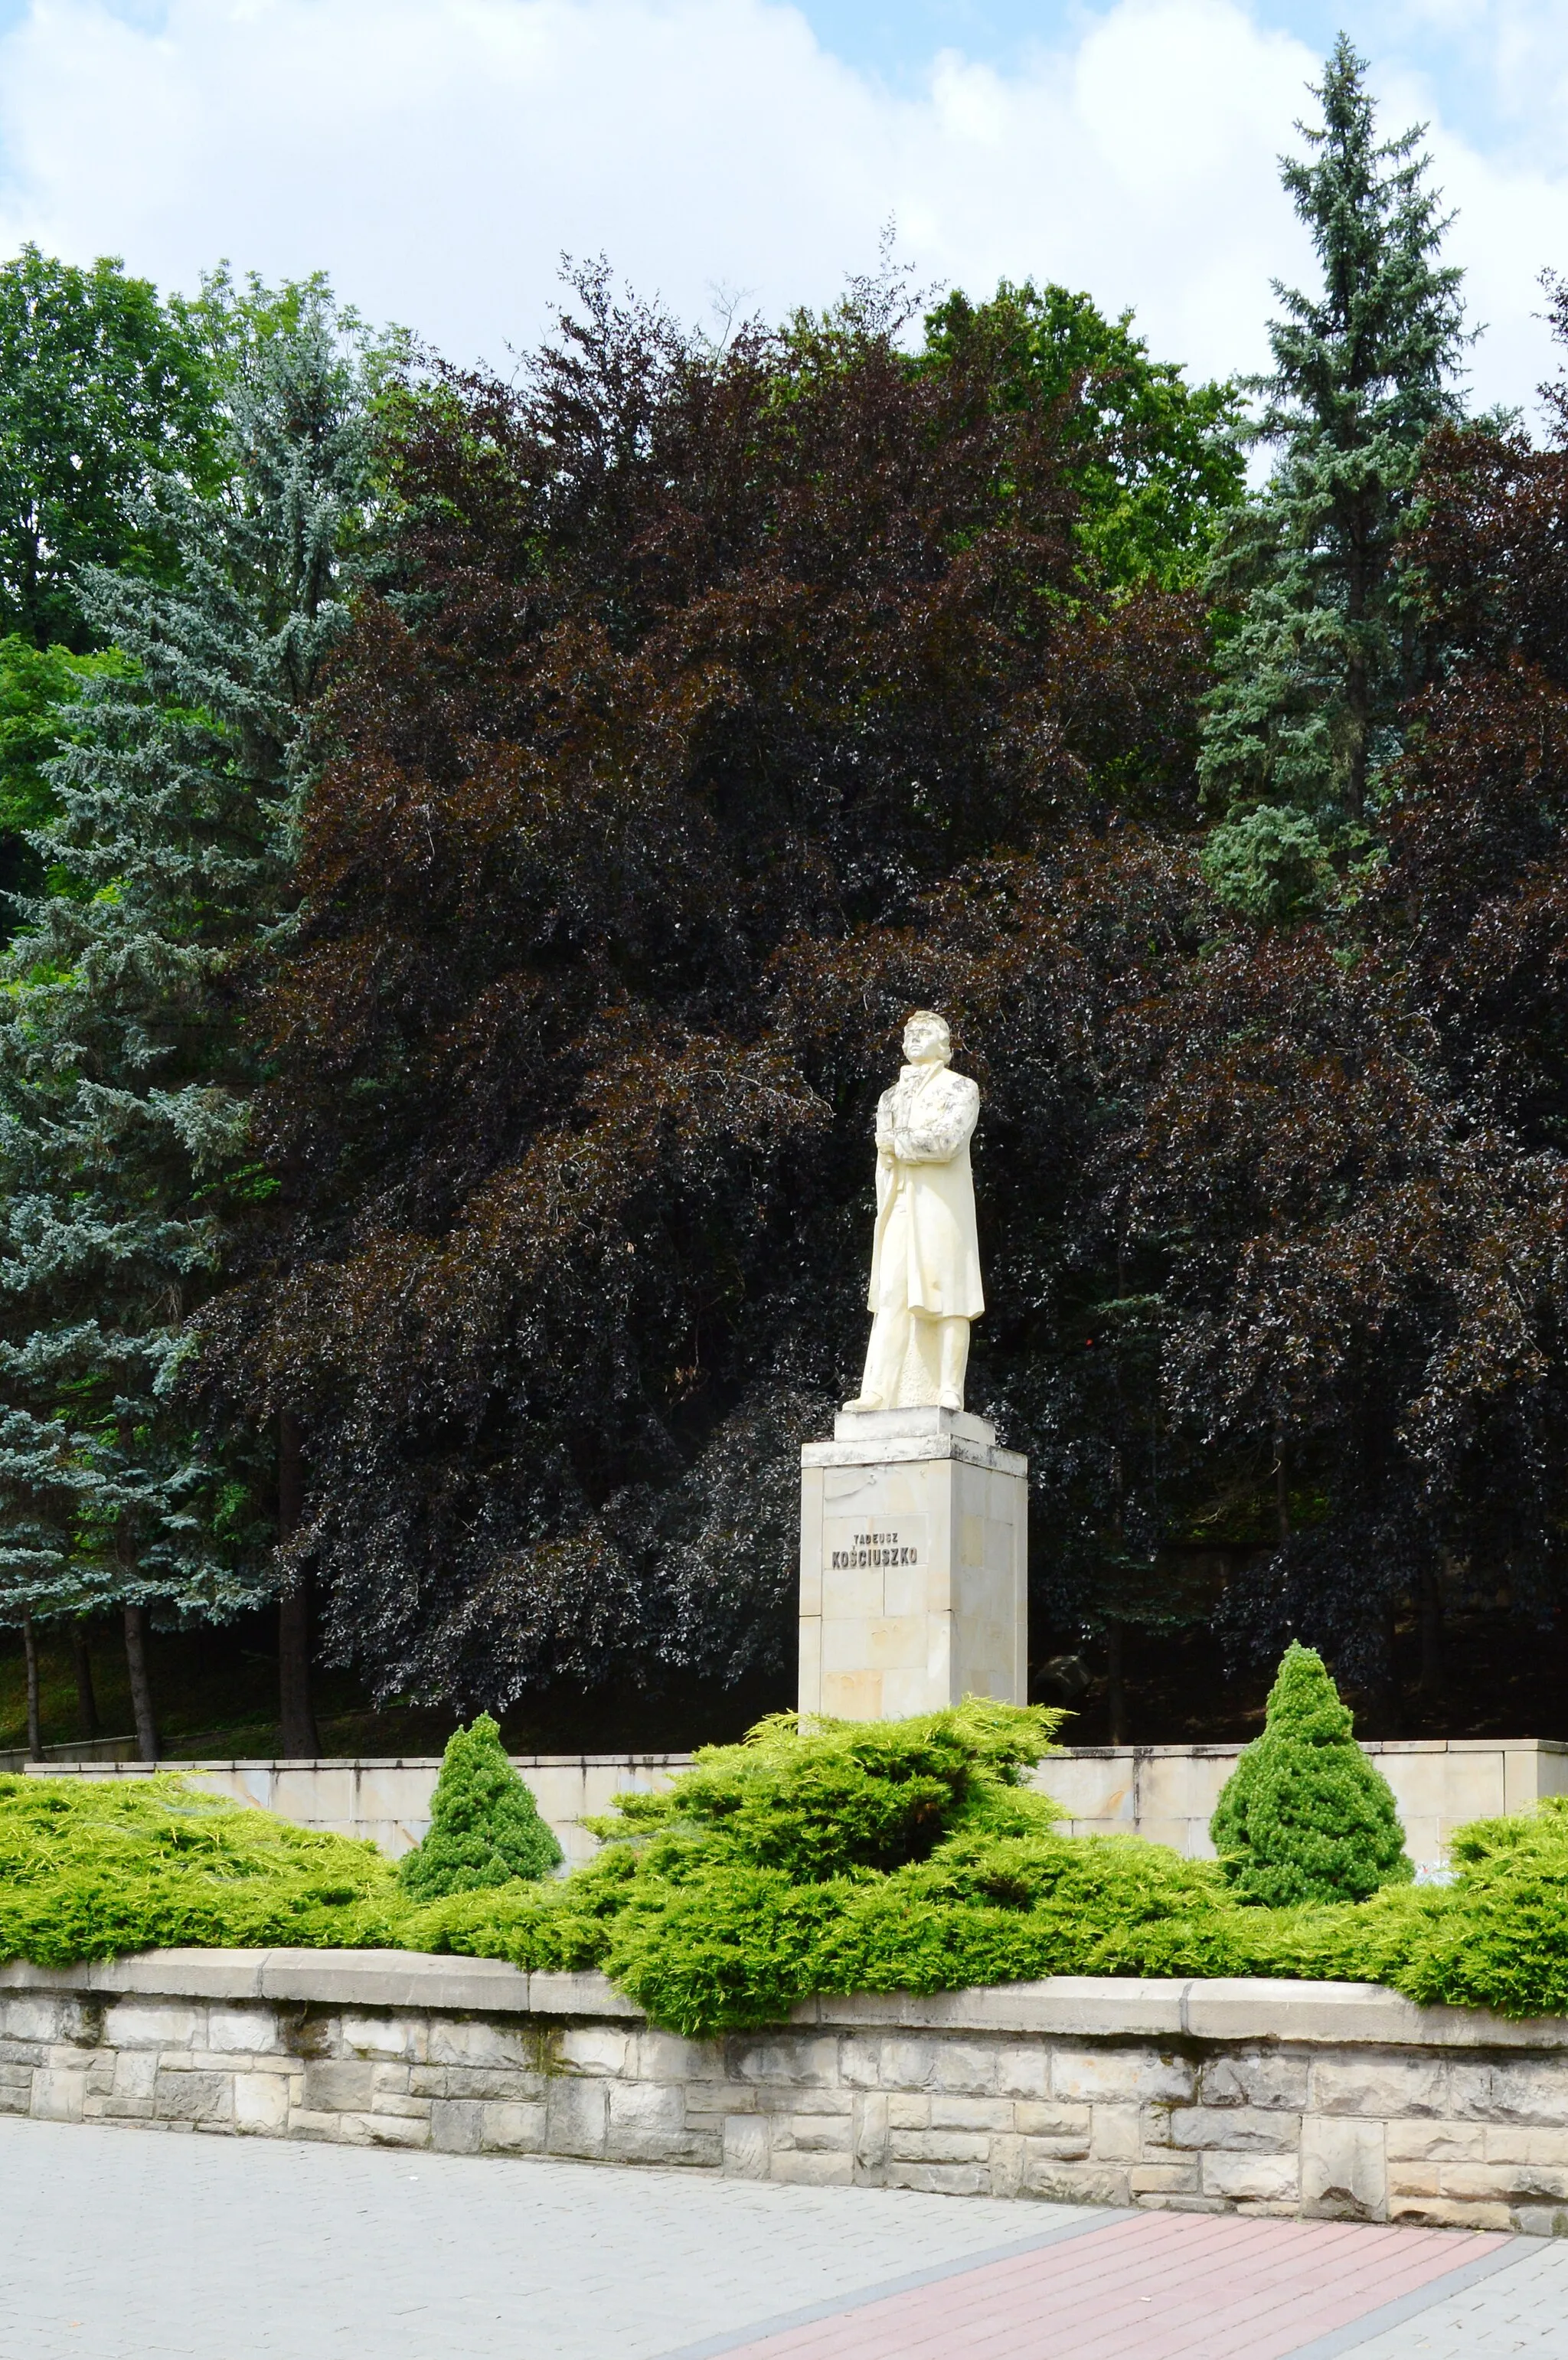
389 1801
1167 1793
914 1565
1164 1792
1319 2101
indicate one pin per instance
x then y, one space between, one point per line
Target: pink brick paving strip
1167 2286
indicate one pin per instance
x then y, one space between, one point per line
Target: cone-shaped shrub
485 1824
1304 1816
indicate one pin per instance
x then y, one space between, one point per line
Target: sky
437 156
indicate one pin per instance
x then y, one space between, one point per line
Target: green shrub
902 1856
1503 1940
1304 1816
90 1868
485 1824
839 1796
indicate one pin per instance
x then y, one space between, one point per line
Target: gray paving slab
1520 2313
132 2244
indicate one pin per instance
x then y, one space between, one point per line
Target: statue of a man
925 1264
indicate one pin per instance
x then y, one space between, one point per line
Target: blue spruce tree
127 1164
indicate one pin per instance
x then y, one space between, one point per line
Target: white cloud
436 156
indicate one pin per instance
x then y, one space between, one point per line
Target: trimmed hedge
903 1855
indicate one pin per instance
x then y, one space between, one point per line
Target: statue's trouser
889 1344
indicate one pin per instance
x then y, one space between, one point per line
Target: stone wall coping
398 1979
1228 1751
69 1763
1229 2009
348 1762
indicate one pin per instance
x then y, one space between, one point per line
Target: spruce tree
1304 1816
1324 645
485 1824
127 1164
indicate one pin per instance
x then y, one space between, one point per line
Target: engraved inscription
872 1544
876 1548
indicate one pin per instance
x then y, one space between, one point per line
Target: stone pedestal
914 1566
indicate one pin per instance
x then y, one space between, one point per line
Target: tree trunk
141 1685
1431 1608
1115 1659
1116 1690
1358 699
82 1658
1393 1704
30 1650
297 1737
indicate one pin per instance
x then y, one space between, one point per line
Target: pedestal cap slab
891 1436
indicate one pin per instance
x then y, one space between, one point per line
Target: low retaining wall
1164 1792
1328 2101
1168 1792
390 1801
84 1749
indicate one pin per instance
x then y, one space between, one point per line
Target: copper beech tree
714 709
689 670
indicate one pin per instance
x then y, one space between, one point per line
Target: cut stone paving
1522 2313
131 2243
1175 2287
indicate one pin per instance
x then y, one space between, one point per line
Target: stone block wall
1164 1792
390 1801
1321 2101
1167 1793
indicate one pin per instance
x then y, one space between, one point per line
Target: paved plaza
132 2244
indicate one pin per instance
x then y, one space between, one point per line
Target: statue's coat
927 1254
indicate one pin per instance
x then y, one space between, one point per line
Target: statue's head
926 1041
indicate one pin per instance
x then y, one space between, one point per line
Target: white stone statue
925 1264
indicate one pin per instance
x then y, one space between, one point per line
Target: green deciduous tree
1157 463
37 686
79 407
1325 641
125 1156
104 389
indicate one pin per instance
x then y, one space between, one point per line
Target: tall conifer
126 1159
1325 647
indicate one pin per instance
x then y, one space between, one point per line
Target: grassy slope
217 1696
